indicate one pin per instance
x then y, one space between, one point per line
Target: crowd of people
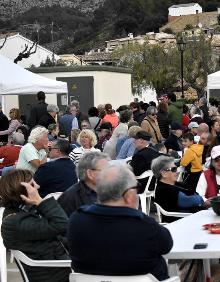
83 156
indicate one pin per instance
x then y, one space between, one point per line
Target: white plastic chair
145 197
56 195
161 211
3 262
21 257
79 277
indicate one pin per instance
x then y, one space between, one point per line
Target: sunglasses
153 115
172 169
217 159
137 187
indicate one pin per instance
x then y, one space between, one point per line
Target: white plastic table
188 231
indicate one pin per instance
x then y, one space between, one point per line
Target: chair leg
148 199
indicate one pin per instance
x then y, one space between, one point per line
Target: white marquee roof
15 80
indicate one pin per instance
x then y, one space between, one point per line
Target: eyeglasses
217 160
172 169
137 187
153 114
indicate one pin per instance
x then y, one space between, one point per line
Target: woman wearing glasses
209 181
169 195
14 123
150 125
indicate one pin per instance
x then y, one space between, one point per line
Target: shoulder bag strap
153 130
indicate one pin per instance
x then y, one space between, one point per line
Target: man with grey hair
10 152
33 154
65 121
49 117
124 240
79 115
84 192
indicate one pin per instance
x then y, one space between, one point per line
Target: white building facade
16 44
184 9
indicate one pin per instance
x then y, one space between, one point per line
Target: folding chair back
145 197
161 211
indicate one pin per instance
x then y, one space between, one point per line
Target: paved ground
13 272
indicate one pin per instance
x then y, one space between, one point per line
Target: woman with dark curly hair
33 226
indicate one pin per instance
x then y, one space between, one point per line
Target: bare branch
26 54
4 42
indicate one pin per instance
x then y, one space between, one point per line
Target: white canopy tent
213 82
15 80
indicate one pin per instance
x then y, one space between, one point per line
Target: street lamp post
181 47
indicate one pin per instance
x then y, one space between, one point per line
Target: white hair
52 108
36 134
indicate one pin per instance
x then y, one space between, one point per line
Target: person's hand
207 204
33 197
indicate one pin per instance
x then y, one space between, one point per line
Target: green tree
159 67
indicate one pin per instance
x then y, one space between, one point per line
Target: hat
176 126
215 152
106 125
193 124
143 135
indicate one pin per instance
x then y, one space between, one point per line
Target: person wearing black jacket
174 142
84 192
49 117
4 124
142 158
169 194
59 173
33 226
37 111
113 237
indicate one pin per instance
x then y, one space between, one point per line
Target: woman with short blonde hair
87 139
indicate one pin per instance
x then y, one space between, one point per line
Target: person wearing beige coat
150 125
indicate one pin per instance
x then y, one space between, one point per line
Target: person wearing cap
104 134
128 148
174 141
53 131
192 162
193 127
116 237
142 158
209 182
4 124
